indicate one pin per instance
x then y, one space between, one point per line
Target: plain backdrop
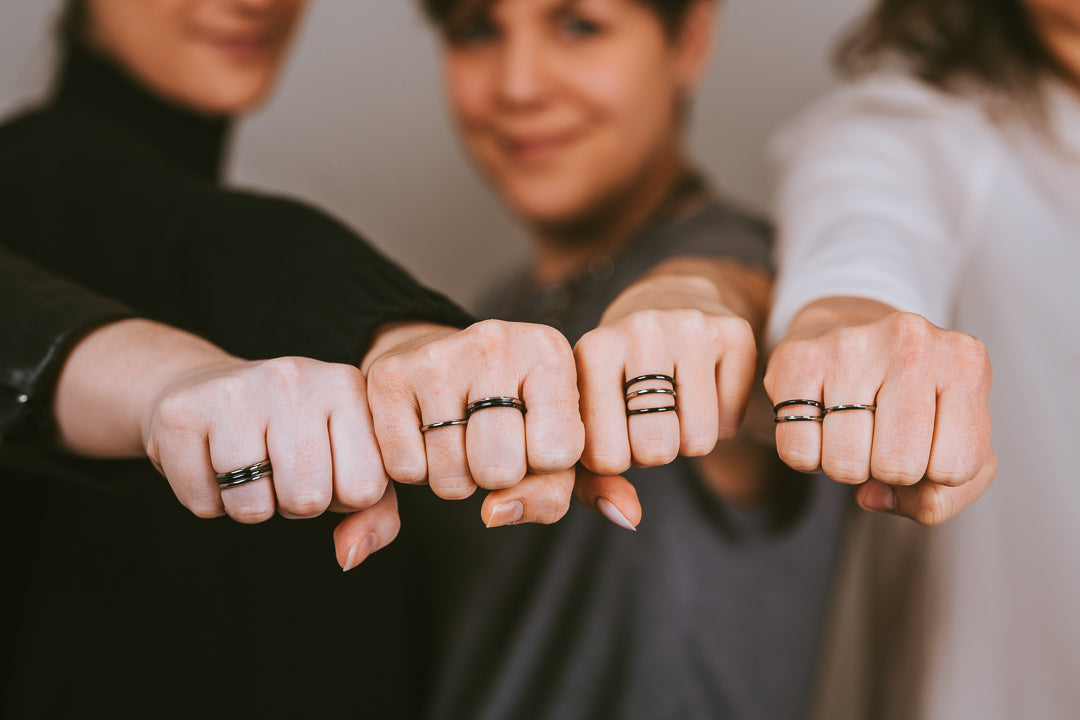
358 125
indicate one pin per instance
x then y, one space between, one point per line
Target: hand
423 374
674 326
308 417
924 453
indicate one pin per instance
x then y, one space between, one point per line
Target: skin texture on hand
137 387
925 452
694 319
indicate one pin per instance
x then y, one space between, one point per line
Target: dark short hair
670 12
994 43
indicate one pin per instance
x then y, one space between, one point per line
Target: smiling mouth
240 43
536 148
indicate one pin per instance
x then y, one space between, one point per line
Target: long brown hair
993 43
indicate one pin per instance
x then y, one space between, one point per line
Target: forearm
112 378
715 285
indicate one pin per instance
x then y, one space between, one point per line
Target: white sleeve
871 202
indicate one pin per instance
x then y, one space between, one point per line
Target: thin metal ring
494 402
799 418
843 408
642 378
444 423
650 391
243 475
646 411
789 403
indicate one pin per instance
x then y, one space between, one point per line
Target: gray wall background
358 126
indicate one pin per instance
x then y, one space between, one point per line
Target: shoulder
718 229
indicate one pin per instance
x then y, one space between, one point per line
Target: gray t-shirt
709 610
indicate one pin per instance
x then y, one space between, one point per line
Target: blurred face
1058 22
568 105
218 57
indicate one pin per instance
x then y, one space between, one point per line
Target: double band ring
630 395
489 403
251 473
799 418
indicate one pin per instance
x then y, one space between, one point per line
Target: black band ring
799 418
790 403
642 378
251 473
649 391
444 423
843 408
646 411
494 402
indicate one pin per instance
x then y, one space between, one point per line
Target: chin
228 99
556 205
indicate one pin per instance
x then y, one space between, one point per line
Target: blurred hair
441 12
994 43
71 24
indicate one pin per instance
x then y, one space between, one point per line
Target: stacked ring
247 474
649 391
489 403
799 418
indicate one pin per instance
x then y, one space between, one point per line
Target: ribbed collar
90 82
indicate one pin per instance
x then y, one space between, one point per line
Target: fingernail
360 551
880 498
506 514
608 509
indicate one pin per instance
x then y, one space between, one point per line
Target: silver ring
497 401
646 411
843 408
251 473
799 418
444 423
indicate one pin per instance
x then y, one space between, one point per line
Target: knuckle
307 504
550 505
362 495
407 473
286 373
845 471
494 474
450 490
699 446
606 463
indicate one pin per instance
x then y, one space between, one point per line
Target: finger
654 436
396 417
847 436
183 457
542 499
364 532
495 442
613 496
234 445
903 431
600 362
962 429
298 441
359 478
698 403
448 465
735 378
927 503
795 374
554 433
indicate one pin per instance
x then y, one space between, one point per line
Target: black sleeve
43 317
257 275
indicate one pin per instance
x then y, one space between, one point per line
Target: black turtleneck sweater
114 190
120 602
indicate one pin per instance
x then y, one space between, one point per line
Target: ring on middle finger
497 401
631 394
799 418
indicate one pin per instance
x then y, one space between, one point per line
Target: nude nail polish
608 509
360 551
506 513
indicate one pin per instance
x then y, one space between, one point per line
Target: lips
536 147
240 43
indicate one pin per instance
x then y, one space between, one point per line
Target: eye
577 27
472 32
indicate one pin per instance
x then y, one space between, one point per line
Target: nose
523 79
